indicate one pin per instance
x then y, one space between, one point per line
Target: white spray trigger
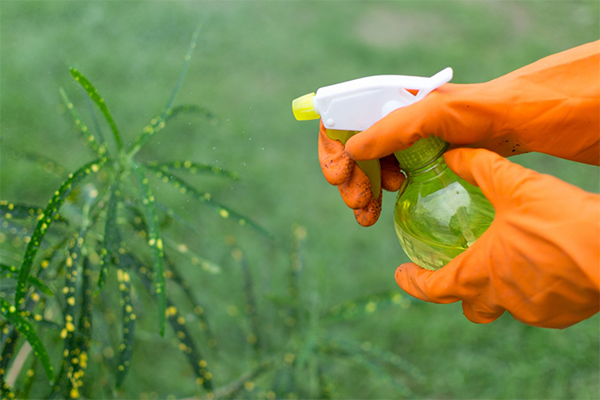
437 80
356 105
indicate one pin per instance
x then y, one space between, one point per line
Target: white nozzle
356 105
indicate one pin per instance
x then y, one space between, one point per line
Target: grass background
252 59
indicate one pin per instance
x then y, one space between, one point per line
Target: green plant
79 238
306 364
102 245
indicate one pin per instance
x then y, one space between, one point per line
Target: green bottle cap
421 153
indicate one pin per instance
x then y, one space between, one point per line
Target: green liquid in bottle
438 215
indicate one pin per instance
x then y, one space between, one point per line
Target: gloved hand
353 184
550 106
540 258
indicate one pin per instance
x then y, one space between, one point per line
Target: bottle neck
421 154
426 172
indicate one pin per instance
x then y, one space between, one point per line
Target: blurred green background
252 59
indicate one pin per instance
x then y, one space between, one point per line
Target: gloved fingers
335 163
426 284
356 191
391 176
369 214
353 184
396 131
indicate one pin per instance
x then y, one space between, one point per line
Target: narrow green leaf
156 244
85 321
126 346
254 338
190 109
29 380
41 286
195 259
84 328
90 107
187 58
189 348
111 235
199 310
27 212
364 306
76 338
49 165
293 312
10 210
45 323
69 334
232 389
25 328
172 214
10 338
9 271
98 148
158 123
190 167
46 219
206 198
178 323
372 357
99 101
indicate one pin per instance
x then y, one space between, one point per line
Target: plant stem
18 364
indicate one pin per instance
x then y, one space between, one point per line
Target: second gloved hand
538 260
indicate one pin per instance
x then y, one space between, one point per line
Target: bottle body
439 215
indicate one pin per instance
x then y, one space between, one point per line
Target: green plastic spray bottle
437 214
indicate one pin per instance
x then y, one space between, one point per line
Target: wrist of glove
538 260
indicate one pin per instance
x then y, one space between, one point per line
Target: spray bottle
437 214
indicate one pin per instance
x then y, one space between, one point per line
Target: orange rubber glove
354 186
550 106
540 258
